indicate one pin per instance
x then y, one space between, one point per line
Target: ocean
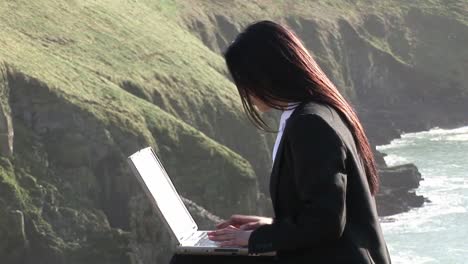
438 231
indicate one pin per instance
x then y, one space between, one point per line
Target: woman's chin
262 109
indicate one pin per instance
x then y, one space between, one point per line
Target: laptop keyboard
204 241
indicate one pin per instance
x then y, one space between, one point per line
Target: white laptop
163 196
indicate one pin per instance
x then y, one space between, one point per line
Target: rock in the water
397 189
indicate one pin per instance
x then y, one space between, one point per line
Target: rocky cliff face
66 189
388 64
6 126
85 84
404 70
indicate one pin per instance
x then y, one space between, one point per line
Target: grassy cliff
84 84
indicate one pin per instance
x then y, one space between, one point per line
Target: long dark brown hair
268 61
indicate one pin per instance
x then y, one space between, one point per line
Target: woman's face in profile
259 104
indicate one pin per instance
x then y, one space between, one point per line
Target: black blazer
324 212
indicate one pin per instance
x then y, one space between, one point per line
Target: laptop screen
161 192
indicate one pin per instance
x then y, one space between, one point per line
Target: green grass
138 76
74 57
99 45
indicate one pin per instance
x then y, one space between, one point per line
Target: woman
324 176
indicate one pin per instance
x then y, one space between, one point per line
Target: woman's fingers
244 222
222 237
227 229
228 243
230 236
243 219
250 226
223 224
222 234
221 231
235 220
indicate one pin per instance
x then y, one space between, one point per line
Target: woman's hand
230 236
245 222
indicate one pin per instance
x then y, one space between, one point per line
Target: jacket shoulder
323 111
325 114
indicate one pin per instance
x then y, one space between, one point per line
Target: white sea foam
434 134
425 219
438 138
396 143
434 233
438 131
394 160
459 137
409 257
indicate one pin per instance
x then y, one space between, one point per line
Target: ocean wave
438 131
434 132
441 184
440 155
397 143
424 221
460 137
410 257
394 160
446 199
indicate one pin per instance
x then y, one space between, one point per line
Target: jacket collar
284 117
278 158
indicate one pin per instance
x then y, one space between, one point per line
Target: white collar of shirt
284 117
